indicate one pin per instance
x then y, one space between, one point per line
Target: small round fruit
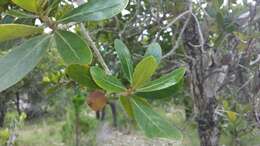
97 100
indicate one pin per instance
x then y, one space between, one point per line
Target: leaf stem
95 49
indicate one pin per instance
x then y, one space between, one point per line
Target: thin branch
170 24
202 41
94 47
176 19
178 40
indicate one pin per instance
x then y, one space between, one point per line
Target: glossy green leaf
155 50
106 82
21 60
125 59
81 74
163 82
125 102
169 92
20 14
29 5
95 10
153 124
143 71
72 48
13 31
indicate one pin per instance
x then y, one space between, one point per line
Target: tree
216 42
78 57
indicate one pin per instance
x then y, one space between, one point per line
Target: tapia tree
76 53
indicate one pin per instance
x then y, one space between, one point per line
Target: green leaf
155 50
81 74
143 71
3 2
72 48
125 59
29 5
125 101
106 82
169 92
232 116
21 60
220 21
153 124
95 10
13 31
163 82
20 14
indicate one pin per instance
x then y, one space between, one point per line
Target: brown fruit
97 100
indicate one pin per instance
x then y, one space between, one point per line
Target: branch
182 30
176 19
94 47
171 23
202 41
178 40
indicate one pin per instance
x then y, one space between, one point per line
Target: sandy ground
107 136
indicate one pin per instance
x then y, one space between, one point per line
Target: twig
171 23
95 49
202 41
176 19
130 20
178 40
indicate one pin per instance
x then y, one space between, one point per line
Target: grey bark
206 77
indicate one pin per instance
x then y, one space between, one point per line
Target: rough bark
2 110
206 77
17 103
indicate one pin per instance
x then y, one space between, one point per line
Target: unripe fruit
97 100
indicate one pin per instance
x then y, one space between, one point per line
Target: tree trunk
2 110
77 129
208 125
18 103
206 77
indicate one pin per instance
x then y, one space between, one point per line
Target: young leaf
29 5
81 74
155 50
125 59
125 101
143 71
232 116
106 82
13 31
151 122
163 82
95 10
72 48
21 60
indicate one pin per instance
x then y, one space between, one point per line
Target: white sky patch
161 15
165 22
125 12
253 2
240 2
75 5
132 3
47 30
169 29
204 5
72 28
38 22
145 32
